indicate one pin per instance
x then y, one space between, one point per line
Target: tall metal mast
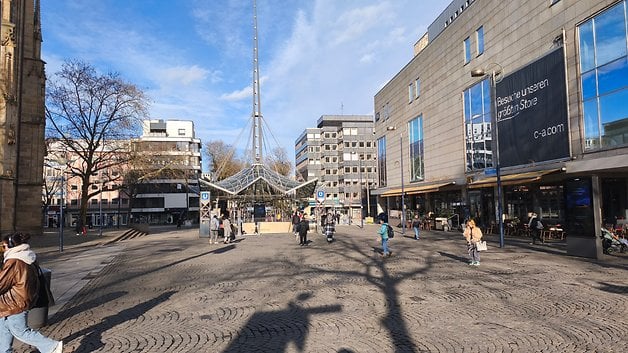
257 108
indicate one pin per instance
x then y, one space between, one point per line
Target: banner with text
532 112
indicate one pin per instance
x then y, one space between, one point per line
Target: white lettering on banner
549 131
511 105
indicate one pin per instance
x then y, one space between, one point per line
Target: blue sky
194 57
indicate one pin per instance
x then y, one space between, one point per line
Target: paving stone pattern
173 292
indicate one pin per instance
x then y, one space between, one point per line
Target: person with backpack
384 234
19 280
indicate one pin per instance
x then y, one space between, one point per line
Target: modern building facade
533 90
341 153
22 117
170 191
61 192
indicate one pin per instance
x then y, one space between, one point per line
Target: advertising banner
532 112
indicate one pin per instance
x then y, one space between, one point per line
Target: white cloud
184 75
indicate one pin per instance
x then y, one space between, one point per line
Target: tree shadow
68 311
260 332
91 337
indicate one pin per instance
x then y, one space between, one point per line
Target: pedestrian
295 222
330 229
214 227
383 234
226 225
304 226
19 286
416 224
473 235
535 226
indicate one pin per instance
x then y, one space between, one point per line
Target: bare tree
94 116
222 159
279 162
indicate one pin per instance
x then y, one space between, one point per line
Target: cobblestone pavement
173 292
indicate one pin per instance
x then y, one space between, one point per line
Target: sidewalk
83 256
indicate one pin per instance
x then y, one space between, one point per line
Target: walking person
214 227
473 235
226 225
19 285
383 234
416 224
295 222
303 227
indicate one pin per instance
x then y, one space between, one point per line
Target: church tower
22 117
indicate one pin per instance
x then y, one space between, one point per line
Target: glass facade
477 122
381 160
415 136
603 46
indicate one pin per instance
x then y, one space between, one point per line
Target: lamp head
391 128
478 73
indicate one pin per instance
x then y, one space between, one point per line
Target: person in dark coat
304 226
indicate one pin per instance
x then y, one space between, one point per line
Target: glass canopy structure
259 183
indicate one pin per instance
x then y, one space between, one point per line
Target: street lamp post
100 206
61 220
492 75
360 173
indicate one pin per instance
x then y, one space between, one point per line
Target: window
417 88
381 157
479 36
181 132
477 119
467 50
410 93
604 79
74 187
415 136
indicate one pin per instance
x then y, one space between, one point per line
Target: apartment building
170 191
533 90
340 151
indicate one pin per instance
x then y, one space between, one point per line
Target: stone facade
22 117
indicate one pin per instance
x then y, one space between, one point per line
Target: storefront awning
512 179
415 189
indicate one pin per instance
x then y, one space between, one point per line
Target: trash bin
38 317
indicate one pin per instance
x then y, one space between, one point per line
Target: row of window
603 61
479 45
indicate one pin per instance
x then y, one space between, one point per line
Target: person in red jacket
19 285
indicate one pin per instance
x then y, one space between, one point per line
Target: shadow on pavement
259 333
65 314
91 337
454 257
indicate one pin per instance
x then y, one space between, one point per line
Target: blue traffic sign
204 195
320 195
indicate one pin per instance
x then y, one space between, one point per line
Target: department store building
536 90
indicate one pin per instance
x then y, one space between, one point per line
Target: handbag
481 245
44 294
